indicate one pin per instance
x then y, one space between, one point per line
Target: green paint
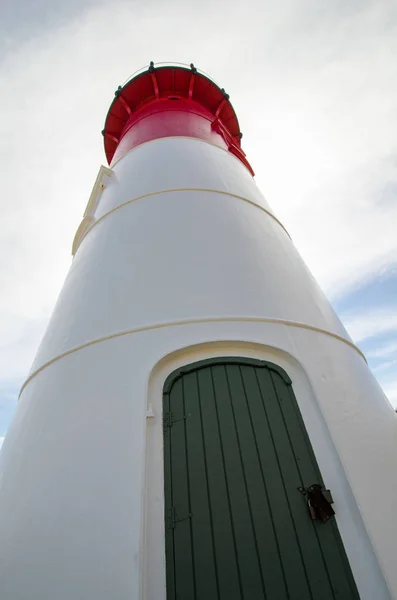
235 452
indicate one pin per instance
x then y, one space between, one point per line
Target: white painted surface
170 163
100 184
74 464
181 254
73 492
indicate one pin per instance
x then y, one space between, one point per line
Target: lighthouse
197 423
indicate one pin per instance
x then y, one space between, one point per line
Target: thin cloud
370 323
383 351
385 366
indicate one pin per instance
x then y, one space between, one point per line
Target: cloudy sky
315 87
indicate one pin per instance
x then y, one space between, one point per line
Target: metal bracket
319 502
149 412
169 420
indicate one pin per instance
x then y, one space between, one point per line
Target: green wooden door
235 452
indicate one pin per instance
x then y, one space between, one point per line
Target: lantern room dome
170 100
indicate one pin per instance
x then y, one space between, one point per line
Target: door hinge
169 420
174 518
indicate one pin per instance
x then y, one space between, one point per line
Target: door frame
221 360
350 524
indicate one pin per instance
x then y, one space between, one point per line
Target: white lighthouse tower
194 394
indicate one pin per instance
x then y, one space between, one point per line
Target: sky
314 85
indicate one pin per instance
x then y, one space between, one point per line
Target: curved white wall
74 464
157 275
182 254
175 163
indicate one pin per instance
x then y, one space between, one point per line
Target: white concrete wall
75 461
178 163
156 275
181 254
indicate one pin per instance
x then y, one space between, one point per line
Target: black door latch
319 502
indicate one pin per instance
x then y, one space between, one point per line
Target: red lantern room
168 101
